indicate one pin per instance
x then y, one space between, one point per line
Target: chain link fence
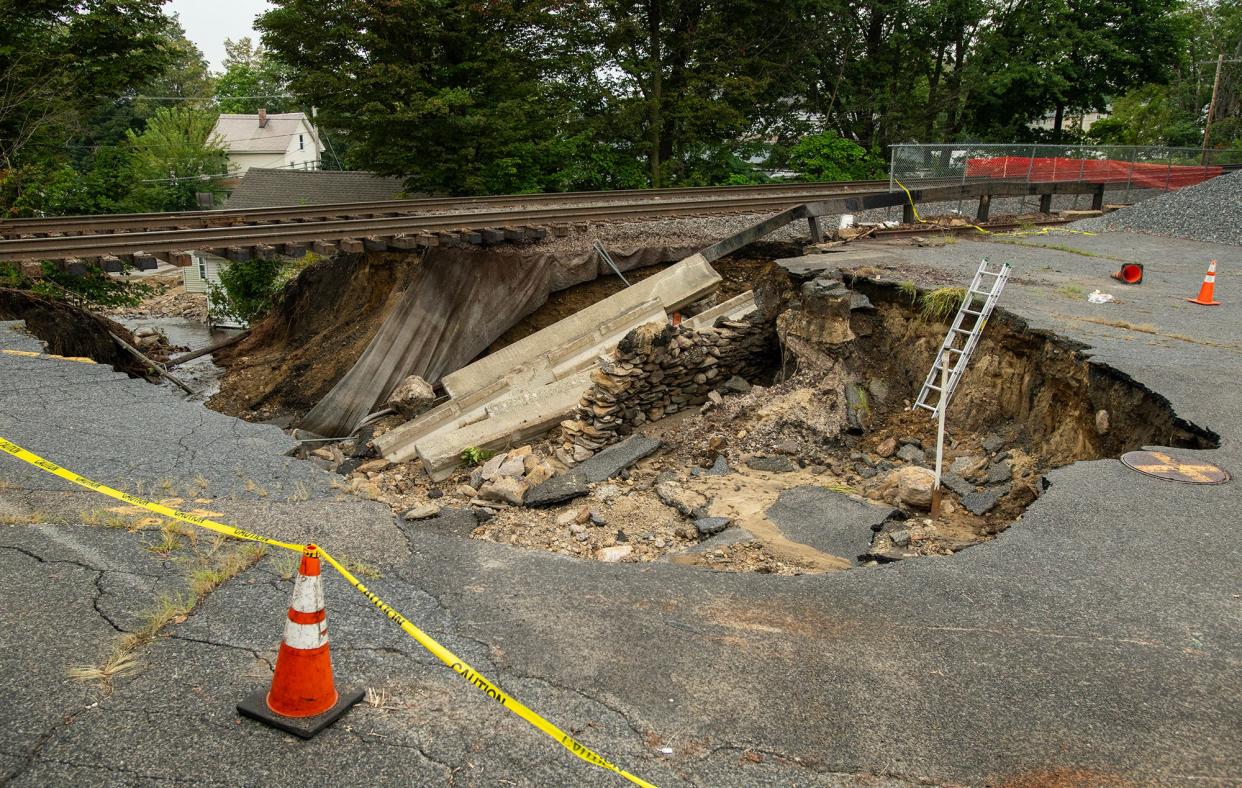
1122 168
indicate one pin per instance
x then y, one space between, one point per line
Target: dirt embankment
69 330
328 315
321 324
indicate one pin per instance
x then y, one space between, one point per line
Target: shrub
828 157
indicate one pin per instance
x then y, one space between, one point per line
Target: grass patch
938 304
286 564
24 518
300 492
221 567
1070 291
909 289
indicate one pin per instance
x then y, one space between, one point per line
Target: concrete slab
676 286
736 308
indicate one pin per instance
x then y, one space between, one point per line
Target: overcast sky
208 23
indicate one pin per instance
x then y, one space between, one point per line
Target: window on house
301 143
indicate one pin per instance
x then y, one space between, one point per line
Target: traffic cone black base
255 707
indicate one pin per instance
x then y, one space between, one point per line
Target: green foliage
247 289
1148 115
473 455
938 304
93 290
252 79
174 157
828 157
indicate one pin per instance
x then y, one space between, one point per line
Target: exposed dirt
70 331
1031 402
327 316
319 328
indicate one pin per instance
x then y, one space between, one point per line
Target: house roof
241 133
268 188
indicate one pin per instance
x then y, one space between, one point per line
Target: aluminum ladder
960 342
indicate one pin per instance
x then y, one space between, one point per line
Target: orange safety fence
1139 175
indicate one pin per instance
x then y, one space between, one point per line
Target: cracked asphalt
1095 641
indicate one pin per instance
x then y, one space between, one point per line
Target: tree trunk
654 13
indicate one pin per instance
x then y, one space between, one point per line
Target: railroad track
481 224
95 224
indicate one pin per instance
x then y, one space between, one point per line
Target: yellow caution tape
34 354
167 511
459 666
476 679
1044 231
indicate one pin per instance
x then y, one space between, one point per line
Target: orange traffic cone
303 699
1207 290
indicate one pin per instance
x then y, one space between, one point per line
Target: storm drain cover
1162 466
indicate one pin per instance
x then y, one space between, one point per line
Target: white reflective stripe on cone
306 636
307 594
1210 278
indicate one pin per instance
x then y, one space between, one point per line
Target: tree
251 80
1148 115
827 157
174 157
1061 56
451 95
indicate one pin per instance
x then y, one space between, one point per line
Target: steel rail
17 249
240 216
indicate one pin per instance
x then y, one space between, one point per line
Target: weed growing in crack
108 519
118 664
300 492
1070 291
168 486
169 540
364 569
200 484
256 488
286 564
222 567
167 610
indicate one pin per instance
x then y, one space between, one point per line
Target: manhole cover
1162 466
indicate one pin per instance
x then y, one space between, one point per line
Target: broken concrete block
505 489
374 466
980 503
912 454
512 466
539 474
422 512
411 396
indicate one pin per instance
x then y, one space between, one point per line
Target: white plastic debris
847 220
666 750
1097 297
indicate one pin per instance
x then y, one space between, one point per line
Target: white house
277 140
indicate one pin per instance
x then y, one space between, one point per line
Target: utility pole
1207 129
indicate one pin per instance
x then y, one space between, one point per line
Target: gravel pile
1210 211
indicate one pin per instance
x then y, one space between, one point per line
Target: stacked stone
656 371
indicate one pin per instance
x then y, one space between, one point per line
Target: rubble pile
658 370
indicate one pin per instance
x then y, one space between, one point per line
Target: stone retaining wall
658 370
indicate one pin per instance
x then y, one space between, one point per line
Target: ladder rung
955 350
971 312
961 331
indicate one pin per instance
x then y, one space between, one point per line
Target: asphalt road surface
1096 641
